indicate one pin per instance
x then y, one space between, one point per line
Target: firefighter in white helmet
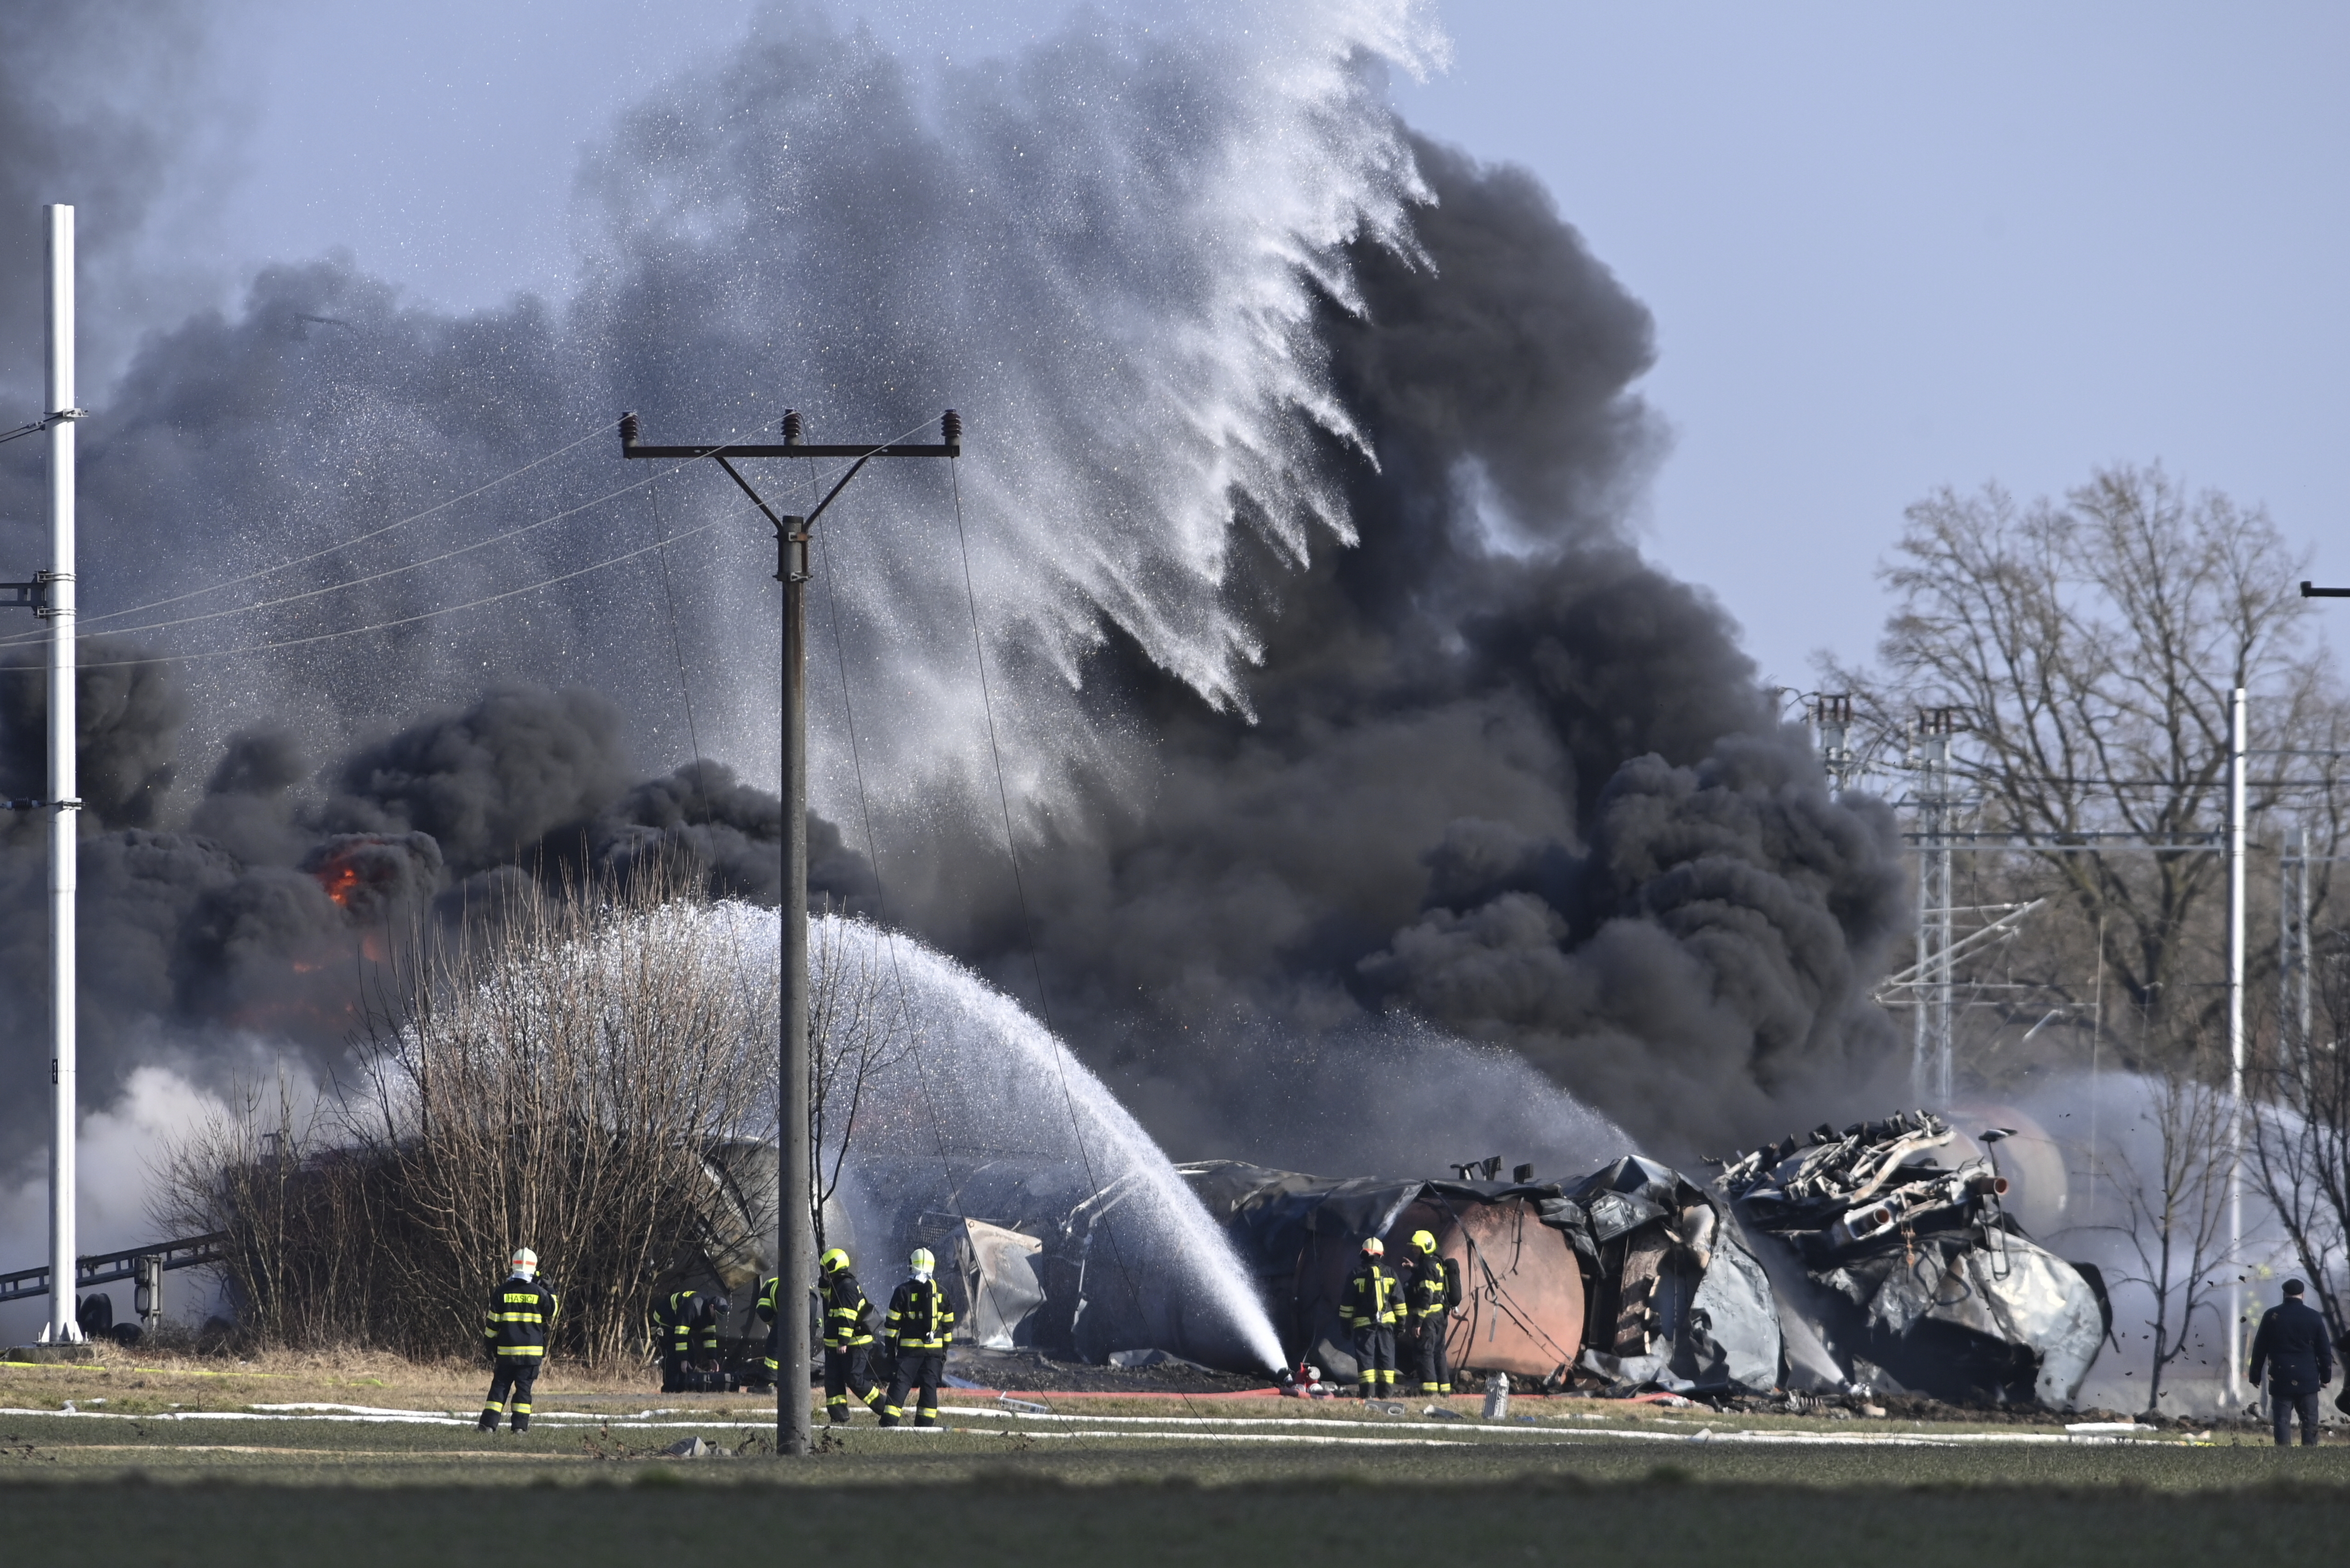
521 1312
920 1327
1373 1305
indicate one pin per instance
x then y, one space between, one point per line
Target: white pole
65 808
2236 744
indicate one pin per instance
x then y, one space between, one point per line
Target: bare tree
2174 1187
2300 1128
2091 648
860 1032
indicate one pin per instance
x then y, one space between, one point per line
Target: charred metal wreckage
1897 1264
1888 1257
1882 1258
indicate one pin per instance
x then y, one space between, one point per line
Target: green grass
262 1493
186 1482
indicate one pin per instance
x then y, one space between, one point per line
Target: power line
677 647
1028 916
435 510
388 571
881 896
404 620
347 543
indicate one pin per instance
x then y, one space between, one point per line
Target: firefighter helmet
1374 1248
833 1261
1423 1239
922 1260
523 1262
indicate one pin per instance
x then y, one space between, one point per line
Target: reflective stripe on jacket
521 1312
920 1317
1431 1291
685 1321
847 1312
1371 1298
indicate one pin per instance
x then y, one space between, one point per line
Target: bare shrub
295 1208
555 1076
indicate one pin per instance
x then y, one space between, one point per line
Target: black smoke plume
1502 772
1333 693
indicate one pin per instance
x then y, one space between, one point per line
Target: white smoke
123 1148
2108 1131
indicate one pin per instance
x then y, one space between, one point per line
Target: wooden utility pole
794 1226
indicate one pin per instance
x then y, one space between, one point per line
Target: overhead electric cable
880 893
1020 887
677 647
482 488
403 620
86 621
567 512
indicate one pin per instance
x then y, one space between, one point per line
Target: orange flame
340 882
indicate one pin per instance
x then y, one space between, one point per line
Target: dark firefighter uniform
847 1336
685 1326
1370 1308
920 1327
2292 1345
1428 1303
521 1312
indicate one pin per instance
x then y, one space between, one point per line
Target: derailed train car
1635 1275
1888 1255
1897 1264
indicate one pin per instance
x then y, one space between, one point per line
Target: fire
341 880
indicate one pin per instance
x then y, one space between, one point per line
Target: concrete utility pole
2236 744
65 808
795 1230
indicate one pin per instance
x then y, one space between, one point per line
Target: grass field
188 1464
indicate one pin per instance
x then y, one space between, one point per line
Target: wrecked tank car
1037 1258
1301 1236
1897 1265
1630 1276
1677 1300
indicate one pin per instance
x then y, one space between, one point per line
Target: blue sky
1889 246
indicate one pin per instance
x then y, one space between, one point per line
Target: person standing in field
2292 1344
521 1312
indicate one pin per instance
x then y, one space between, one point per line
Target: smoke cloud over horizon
1349 740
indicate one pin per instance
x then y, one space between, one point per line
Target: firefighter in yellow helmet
522 1310
919 1329
1370 1308
848 1337
1432 1291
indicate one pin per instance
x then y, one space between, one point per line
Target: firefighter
917 1333
1371 1307
521 1312
686 1323
1431 1294
848 1336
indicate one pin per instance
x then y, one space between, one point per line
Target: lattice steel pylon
1831 714
1937 806
2294 1013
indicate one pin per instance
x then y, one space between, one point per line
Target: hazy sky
1889 246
